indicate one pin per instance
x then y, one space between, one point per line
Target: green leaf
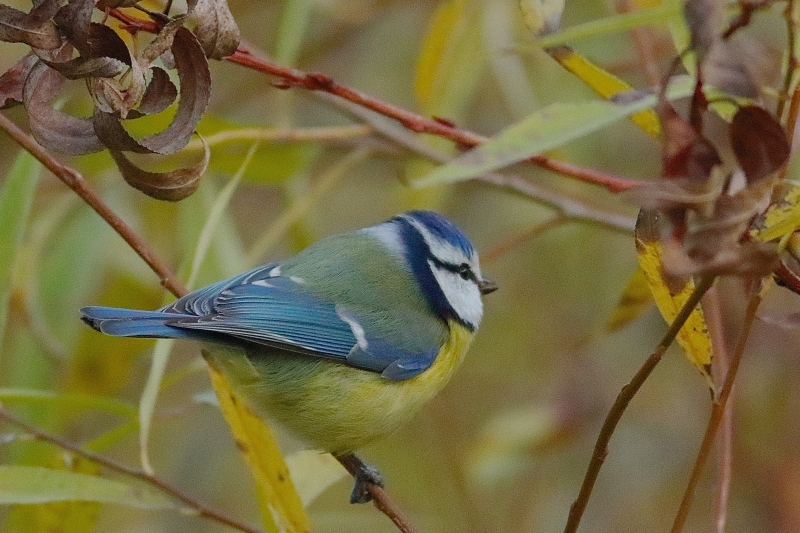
546 129
669 12
16 197
78 402
36 485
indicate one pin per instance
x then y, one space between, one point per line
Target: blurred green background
505 445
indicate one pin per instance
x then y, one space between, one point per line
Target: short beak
487 285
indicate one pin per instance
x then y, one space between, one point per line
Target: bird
341 343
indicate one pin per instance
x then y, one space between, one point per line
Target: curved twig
621 404
718 410
75 181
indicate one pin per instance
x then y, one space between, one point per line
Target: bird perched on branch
341 343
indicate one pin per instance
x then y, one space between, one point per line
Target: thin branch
712 309
713 313
380 497
75 181
318 81
333 133
567 206
621 403
196 505
718 409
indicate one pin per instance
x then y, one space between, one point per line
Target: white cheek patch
462 294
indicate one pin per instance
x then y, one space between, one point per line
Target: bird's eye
464 271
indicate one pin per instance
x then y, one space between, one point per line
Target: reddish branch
317 81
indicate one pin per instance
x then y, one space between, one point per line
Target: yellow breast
331 406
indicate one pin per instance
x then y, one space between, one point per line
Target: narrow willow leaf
635 300
546 129
295 16
783 216
35 485
57 400
147 402
16 197
669 12
693 337
603 83
451 61
280 506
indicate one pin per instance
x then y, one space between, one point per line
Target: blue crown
443 229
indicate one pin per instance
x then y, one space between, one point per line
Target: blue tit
343 342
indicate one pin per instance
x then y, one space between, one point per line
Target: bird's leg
365 475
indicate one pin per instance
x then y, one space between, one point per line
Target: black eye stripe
461 269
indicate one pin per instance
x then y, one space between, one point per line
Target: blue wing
261 306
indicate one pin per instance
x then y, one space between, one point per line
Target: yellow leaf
451 60
693 336
635 300
782 218
280 506
603 83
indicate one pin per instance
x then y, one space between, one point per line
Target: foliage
370 108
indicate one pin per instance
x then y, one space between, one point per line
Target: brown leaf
110 95
161 43
759 142
13 80
73 21
88 67
110 4
195 92
105 42
160 93
216 28
52 128
31 28
171 186
109 129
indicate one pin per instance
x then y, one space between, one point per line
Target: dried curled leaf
88 67
216 28
73 22
195 93
171 186
160 93
34 29
55 129
12 81
686 153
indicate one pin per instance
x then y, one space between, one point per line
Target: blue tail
133 323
